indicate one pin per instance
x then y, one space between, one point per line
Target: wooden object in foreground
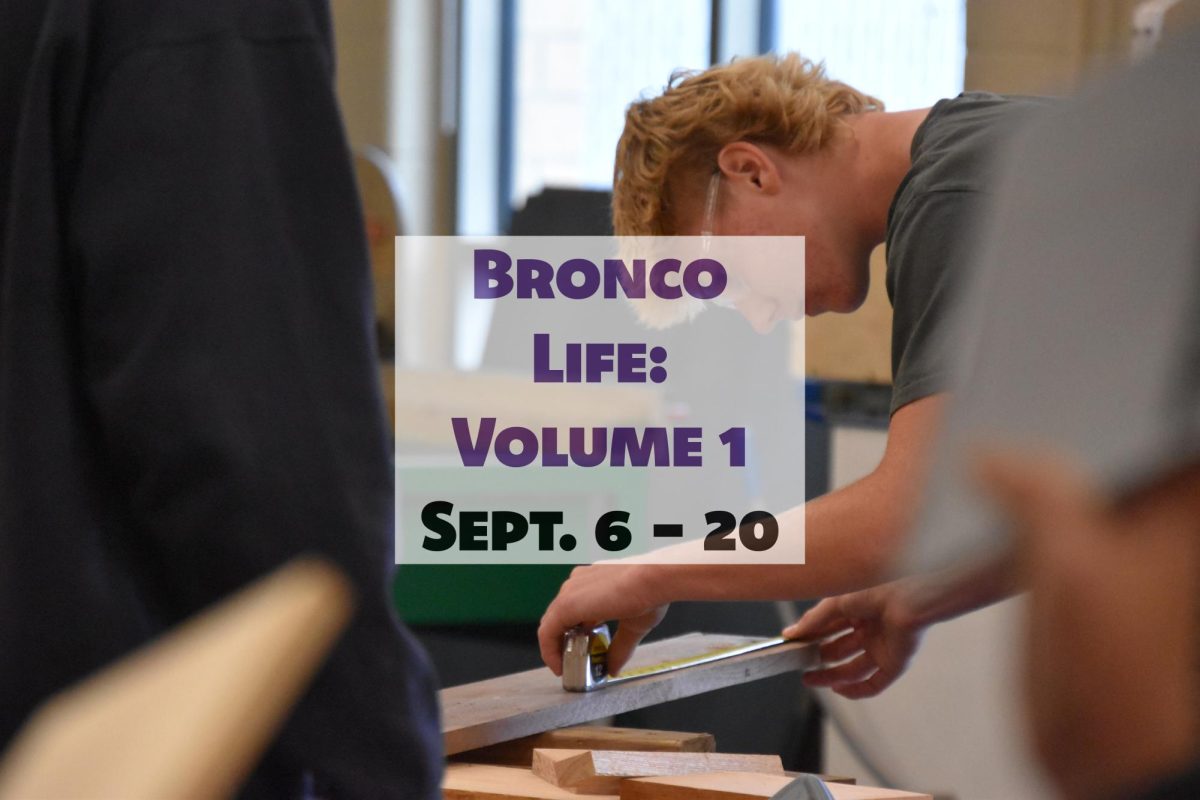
519 752
491 782
601 771
187 715
743 786
478 714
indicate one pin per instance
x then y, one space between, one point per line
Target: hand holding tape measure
603 592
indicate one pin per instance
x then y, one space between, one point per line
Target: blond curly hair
670 142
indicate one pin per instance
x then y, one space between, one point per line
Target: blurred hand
1111 640
601 593
873 628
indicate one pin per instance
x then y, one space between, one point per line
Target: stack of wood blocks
602 763
520 735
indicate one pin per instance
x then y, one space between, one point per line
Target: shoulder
956 148
955 154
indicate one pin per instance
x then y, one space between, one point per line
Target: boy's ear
749 166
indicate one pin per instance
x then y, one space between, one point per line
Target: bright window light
908 53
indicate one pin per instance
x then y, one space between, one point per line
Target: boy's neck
884 154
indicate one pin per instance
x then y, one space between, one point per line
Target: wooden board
601 771
491 782
519 752
509 707
188 715
743 786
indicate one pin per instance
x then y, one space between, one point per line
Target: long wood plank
743 786
509 707
519 752
601 771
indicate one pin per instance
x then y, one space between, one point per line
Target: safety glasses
710 211
736 287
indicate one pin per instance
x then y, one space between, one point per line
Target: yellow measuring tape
585 659
701 658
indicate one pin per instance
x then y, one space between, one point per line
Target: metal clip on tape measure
585 659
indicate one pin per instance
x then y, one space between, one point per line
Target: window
545 83
578 65
908 53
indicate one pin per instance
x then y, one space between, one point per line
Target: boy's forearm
850 536
932 599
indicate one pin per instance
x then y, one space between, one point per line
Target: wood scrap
189 714
478 714
601 771
742 786
492 782
519 752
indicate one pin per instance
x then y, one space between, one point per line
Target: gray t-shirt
931 218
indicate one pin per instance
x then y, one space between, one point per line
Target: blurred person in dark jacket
188 390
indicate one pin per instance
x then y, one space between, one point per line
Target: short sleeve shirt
930 224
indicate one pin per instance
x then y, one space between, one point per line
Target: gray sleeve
924 262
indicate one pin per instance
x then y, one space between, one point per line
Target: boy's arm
850 535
